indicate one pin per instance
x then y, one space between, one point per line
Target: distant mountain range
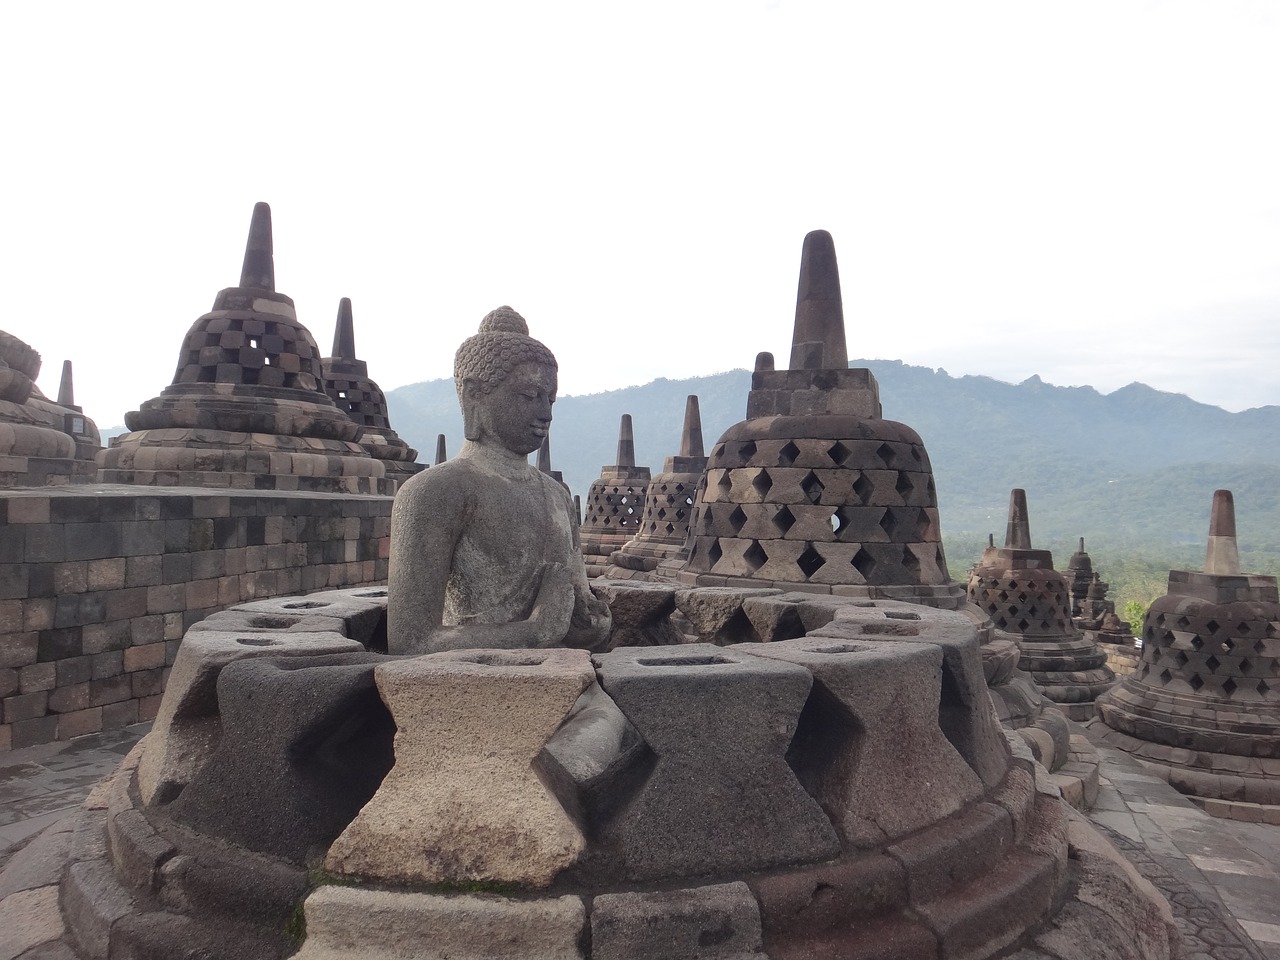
1136 467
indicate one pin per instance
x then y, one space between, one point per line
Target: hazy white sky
1088 191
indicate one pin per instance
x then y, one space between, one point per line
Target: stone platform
784 828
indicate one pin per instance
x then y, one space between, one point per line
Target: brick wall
98 585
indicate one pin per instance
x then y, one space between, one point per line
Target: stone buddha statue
484 547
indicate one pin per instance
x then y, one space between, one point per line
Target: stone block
28 919
79 723
463 802
378 925
965 712
187 727
19 650
718 921
36 677
825 901
27 733
955 851
92 901
988 913
868 746
716 612
26 706
305 743
40 862
719 795
138 851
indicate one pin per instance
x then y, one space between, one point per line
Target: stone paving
1222 877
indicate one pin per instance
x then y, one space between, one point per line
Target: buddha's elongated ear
471 399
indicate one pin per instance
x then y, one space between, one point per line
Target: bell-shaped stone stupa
347 382
1027 599
1202 709
668 505
614 503
42 443
815 487
247 408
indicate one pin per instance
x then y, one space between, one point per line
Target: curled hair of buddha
501 345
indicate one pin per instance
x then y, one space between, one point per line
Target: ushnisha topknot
502 344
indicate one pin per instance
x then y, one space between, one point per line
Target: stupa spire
818 341
626 443
66 389
441 456
544 455
344 332
259 271
1222 555
1018 532
691 435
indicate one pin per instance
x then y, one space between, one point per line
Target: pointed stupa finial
991 541
259 270
440 454
344 332
66 389
691 436
544 455
626 443
1017 534
1222 555
818 341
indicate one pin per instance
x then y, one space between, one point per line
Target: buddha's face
516 413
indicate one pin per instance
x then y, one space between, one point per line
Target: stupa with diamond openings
614 503
1026 599
668 505
1202 710
815 487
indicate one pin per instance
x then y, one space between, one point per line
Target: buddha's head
506 382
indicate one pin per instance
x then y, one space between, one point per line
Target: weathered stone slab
720 796
706 923
305 743
868 746
343 922
187 727
40 862
716 612
28 919
462 803
641 612
965 713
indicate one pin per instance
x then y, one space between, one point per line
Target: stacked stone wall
99 584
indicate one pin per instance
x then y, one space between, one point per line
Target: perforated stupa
815 487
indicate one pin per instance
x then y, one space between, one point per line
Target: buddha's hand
591 622
554 607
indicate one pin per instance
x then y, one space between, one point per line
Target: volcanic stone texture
757 814
98 585
822 500
305 743
1202 709
463 803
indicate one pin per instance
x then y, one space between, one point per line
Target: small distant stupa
1027 599
668 506
614 504
42 443
347 382
1203 707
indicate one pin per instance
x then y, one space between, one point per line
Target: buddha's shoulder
453 478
